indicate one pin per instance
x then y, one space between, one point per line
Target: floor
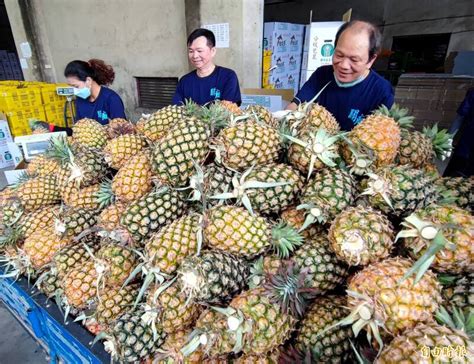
16 344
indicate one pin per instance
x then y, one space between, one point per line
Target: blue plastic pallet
65 342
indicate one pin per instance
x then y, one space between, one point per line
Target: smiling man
351 90
208 82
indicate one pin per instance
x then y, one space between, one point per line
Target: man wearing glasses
349 89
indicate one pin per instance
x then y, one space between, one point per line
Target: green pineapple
213 276
327 194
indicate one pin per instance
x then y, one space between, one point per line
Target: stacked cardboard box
283 45
10 66
318 47
432 98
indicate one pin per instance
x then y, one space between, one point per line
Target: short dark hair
375 37
201 32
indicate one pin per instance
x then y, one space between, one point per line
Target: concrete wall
245 19
138 38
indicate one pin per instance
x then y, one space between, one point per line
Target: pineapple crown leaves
369 314
430 233
22 178
16 265
315 212
60 150
11 236
441 140
379 185
289 289
197 338
105 196
397 113
285 239
237 323
459 320
362 156
242 188
257 273
321 145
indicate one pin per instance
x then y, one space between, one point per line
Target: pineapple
113 302
156 125
156 209
262 114
333 345
89 133
459 188
212 277
173 243
232 107
38 192
324 272
86 198
39 219
171 309
428 343
114 263
361 235
399 190
268 189
134 179
313 149
318 116
186 143
378 297
217 179
260 319
80 285
49 284
75 254
460 294
171 350
296 218
130 340
379 134
247 143
109 218
119 150
73 221
41 165
441 235
237 231
41 246
327 194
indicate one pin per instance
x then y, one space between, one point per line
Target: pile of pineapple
214 234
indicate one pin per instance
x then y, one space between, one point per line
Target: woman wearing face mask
348 88
94 100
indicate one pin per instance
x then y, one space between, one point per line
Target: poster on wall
221 32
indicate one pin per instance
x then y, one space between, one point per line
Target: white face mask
350 84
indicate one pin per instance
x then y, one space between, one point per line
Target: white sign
25 50
221 32
23 63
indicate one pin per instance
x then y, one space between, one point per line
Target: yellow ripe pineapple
377 134
170 309
38 192
170 351
80 285
39 219
247 143
42 166
232 107
318 116
113 302
42 245
120 149
262 114
134 179
379 298
109 218
156 125
89 133
83 197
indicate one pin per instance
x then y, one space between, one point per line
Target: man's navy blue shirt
221 84
348 105
108 105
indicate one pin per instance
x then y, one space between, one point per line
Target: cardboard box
10 155
319 44
274 100
5 133
283 37
292 81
